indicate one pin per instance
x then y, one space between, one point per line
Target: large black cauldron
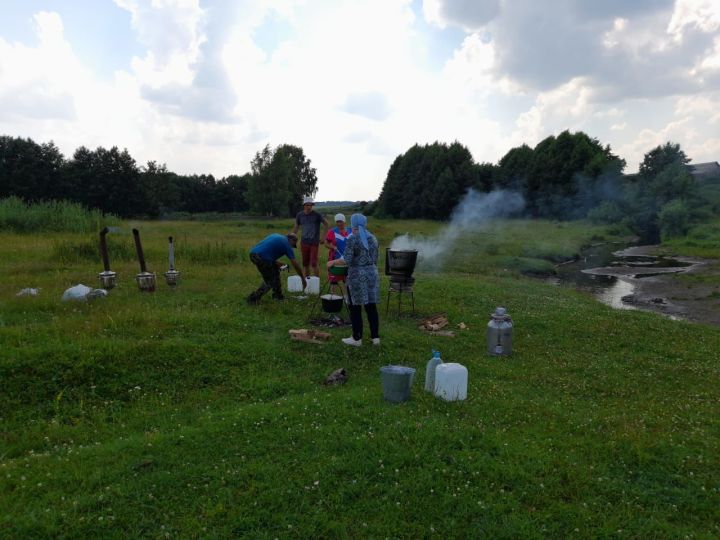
400 261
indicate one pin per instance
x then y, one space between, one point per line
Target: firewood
309 336
433 319
443 333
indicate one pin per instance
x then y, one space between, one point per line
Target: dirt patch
692 294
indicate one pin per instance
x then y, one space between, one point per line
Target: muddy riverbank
691 292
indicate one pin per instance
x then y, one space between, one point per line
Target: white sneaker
376 341
352 341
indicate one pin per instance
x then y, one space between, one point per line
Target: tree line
564 177
111 180
568 176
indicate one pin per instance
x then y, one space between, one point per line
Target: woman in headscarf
363 281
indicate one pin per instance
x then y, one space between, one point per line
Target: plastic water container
294 284
396 382
432 365
313 285
451 381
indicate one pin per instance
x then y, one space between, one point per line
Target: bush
55 216
605 212
674 219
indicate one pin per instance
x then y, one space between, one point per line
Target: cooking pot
400 261
331 303
336 270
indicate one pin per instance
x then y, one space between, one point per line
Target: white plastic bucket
294 284
313 285
451 381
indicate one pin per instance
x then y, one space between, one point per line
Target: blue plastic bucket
396 382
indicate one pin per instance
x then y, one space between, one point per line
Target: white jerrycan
313 285
294 284
451 381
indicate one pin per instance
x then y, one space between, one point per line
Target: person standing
335 242
363 280
310 221
265 257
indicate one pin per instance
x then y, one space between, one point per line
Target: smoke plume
472 214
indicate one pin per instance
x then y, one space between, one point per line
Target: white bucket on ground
294 284
313 285
451 381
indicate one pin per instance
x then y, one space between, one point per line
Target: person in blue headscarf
363 280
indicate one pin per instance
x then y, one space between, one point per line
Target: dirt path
692 294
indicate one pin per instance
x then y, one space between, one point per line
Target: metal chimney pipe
172 253
139 250
107 277
104 249
145 279
172 276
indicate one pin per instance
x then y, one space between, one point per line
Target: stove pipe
104 249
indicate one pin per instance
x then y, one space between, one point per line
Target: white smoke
472 214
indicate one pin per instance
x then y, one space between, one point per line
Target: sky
203 85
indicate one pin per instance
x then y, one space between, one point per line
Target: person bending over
265 257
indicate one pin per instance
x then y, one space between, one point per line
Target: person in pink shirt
335 242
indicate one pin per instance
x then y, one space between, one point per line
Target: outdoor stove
145 279
399 266
172 276
108 278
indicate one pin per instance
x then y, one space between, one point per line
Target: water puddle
612 273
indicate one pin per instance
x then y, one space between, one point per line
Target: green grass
187 413
701 241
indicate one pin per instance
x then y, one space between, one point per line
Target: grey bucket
396 382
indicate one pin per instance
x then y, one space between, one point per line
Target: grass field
186 413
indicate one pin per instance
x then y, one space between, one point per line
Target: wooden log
442 333
434 319
309 336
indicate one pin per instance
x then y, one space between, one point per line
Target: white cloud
348 81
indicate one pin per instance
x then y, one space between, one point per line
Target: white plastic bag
77 293
29 291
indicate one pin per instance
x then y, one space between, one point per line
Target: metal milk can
499 333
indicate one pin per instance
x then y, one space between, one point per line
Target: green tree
29 170
108 180
269 191
232 193
428 181
664 186
303 178
280 178
660 157
159 190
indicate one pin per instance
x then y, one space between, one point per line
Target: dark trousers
356 320
271 279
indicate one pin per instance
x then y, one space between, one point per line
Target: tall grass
52 216
215 253
70 251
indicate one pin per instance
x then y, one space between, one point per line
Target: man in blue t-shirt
265 257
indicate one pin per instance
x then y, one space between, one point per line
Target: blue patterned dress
363 280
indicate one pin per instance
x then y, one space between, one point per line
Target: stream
614 273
